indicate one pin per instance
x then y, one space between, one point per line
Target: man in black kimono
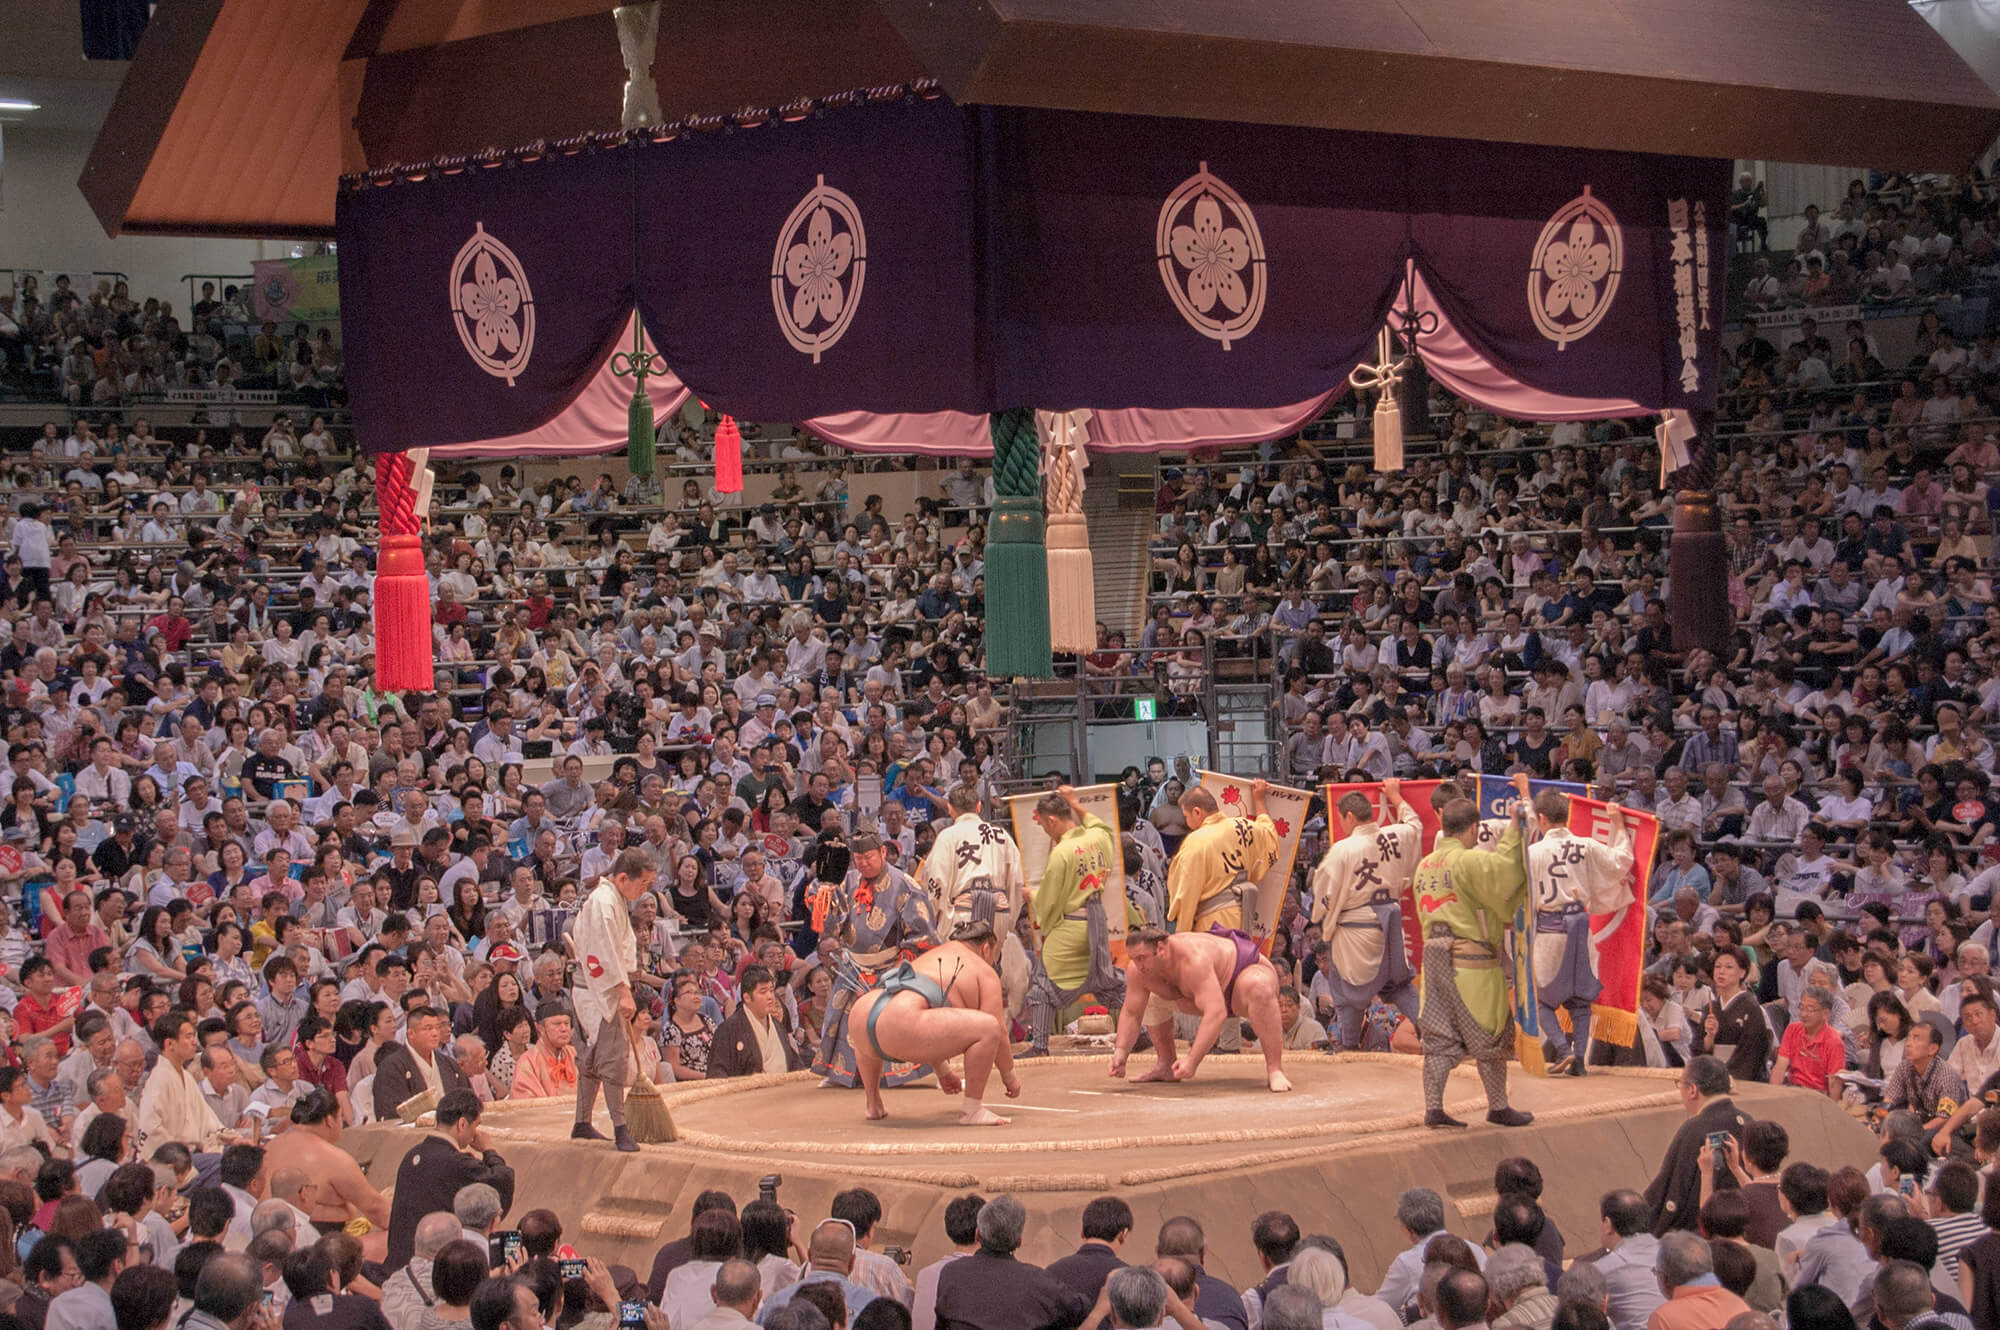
455 1155
1675 1193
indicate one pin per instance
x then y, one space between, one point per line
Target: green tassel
1017 569
639 431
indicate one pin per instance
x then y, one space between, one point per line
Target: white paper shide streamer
1072 583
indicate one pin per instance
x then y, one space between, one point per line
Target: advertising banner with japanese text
1618 939
1416 793
1098 800
1287 808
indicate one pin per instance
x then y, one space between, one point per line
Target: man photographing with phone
1675 1193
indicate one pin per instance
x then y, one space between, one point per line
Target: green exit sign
1143 709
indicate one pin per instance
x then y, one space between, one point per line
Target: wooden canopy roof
238 116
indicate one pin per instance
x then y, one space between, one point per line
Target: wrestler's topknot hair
1201 799
974 931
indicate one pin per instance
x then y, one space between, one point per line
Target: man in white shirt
102 782
1420 1211
1676 808
872 1270
408 1292
100 1255
736 1293
1975 1057
21 1124
499 745
1763 290
1628 1263
805 652
241 1176
222 1086
1780 819
33 543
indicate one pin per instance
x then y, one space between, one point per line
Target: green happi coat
1474 893
1079 864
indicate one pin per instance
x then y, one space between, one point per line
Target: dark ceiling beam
1690 77
158 75
564 78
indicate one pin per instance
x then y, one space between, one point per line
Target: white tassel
1065 533
638 37
425 481
1388 434
1383 378
1674 433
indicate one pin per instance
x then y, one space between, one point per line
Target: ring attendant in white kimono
1357 902
974 873
1570 878
608 956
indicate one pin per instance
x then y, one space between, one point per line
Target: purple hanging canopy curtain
595 422
912 256
959 434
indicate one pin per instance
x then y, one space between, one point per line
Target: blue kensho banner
916 256
1497 797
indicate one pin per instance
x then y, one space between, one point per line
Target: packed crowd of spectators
1902 242
92 344
250 899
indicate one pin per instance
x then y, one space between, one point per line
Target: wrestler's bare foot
949 1083
1159 1071
981 1116
1280 1083
876 1109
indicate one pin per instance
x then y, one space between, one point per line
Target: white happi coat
970 854
1371 864
1565 870
973 854
606 953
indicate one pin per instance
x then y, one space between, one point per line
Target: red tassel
728 457
403 647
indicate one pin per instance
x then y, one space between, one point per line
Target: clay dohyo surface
1071 1107
1335 1152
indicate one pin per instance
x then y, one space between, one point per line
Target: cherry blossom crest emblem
1573 276
492 306
818 268
1211 258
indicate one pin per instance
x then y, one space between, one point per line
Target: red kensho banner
1416 793
1618 938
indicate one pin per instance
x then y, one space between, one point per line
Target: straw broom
645 1107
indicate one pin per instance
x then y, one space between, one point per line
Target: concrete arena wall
625 1206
